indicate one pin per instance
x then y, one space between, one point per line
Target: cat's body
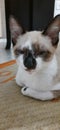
40 80
37 64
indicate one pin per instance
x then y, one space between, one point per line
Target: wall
2 20
57 7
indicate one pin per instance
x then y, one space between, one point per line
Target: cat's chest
36 81
41 80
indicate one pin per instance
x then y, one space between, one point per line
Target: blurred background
34 14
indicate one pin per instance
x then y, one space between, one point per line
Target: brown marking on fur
41 52
25 50
47 56
19 51
56 93
55 100
36 49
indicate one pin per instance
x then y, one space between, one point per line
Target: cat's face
35 49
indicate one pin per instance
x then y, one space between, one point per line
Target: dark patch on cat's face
36 51
29 60
41 52
19 51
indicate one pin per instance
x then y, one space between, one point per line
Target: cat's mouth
29 70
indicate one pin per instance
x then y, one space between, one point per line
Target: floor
5 55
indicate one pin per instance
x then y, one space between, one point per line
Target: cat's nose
30 62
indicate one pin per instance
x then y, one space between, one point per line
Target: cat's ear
15 28
52 30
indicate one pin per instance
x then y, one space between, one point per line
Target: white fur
29 38
43 95
39 82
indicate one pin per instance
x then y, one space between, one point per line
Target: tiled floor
5 55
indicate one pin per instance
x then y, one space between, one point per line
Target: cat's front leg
19 82
36 94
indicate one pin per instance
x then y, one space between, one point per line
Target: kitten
35 56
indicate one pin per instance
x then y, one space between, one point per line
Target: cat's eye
43 53
21 52
40 53
18 52
36 53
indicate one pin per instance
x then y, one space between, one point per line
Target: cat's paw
24 90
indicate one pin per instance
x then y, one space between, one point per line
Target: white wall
0 25
57 7
2 19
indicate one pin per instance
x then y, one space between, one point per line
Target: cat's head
35 49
